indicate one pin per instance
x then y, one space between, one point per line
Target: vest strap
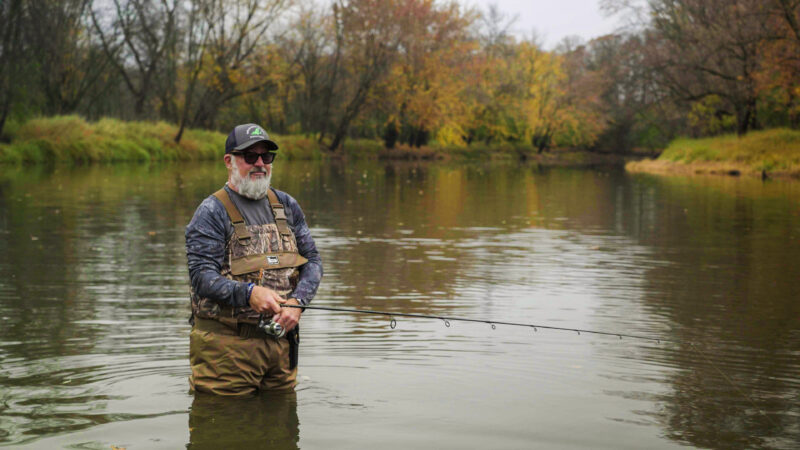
239 227
279 213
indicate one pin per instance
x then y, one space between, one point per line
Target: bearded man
249 251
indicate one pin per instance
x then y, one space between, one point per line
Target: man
249 251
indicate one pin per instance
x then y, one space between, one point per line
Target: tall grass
769 150
294 146
73 139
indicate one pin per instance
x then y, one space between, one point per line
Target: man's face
249 180
254 171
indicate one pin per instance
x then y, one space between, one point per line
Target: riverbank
68 139
768 153
72 139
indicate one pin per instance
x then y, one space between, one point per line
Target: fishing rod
493 323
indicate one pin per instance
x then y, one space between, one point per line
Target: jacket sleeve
310 272
206 236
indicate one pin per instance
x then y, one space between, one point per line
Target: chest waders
263 254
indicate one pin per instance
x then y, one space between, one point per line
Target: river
94 308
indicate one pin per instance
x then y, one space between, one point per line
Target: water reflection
728 287
91 278
263 421
93 301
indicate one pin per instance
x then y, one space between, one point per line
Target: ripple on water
102 339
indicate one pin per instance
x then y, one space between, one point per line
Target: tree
423 93
11 50
585 112
710 47
231 65
533 98
310 46
636 109
136 40
193 45
789 12
368 35
779 73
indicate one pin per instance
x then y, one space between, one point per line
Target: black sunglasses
252 157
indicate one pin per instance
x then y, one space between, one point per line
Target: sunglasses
252 157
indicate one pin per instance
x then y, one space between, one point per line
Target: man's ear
228 160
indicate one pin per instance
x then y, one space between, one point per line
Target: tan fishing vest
262 254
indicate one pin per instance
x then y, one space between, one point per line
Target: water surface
94 303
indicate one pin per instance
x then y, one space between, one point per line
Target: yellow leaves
426 84
533 103
707 116
451 134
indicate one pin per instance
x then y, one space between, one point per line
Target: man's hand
288 317
265 300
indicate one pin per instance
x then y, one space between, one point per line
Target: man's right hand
264 299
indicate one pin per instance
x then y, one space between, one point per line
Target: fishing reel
271 328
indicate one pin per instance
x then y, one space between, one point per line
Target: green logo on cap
257 132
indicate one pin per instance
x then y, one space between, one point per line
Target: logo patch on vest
272 260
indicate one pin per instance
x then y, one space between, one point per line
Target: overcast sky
553 20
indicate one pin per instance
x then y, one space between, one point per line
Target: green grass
294 146
769 150
362 148
482 150
73 139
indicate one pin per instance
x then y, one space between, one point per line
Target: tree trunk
3 117
390 135
746 119
350 113
10 48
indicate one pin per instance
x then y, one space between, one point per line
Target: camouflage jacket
208 241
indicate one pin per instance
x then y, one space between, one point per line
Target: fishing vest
264 254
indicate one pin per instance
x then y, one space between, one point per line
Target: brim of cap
271 146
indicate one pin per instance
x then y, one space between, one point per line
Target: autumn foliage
407 72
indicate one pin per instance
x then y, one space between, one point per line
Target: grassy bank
775 153
71 139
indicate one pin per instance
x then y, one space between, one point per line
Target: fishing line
494 323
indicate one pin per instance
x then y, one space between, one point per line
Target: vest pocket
266 261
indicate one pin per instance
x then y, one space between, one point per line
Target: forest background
396 74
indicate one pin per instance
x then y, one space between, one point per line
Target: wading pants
224 363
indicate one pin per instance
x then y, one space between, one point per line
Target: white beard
255 189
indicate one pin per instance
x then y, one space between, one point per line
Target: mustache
258 171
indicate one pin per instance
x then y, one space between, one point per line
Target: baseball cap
244 136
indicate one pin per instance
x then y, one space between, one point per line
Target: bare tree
495 31
135 42
72 64
310 45
195 37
